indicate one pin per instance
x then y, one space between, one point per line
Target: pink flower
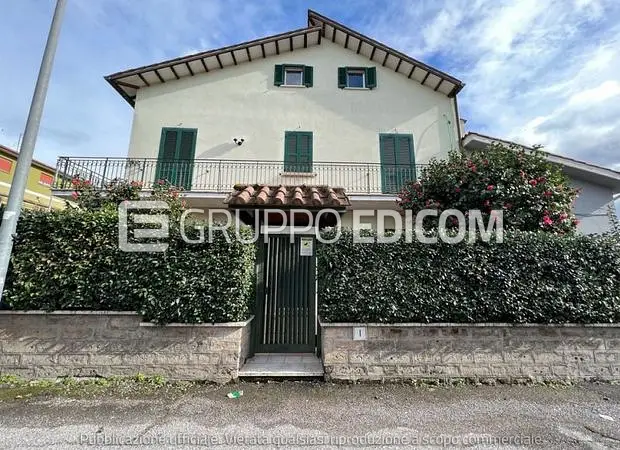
563 216
547 220
490 187
75 195
548 193
575 221
542 179
533 182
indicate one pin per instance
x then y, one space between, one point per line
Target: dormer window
292 75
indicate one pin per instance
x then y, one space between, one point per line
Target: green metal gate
286 309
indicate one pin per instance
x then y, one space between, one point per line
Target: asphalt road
296 414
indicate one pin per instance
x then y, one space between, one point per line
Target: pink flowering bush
534 194
88 197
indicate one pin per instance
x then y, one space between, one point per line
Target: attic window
293 76
355 78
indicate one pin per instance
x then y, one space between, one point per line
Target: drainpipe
458 122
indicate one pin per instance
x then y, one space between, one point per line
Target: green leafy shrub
70 260
534 194
530 277
91 198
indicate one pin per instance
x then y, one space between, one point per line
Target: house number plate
306 247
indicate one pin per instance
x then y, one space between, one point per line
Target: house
39 187
321 118
599 186
322 106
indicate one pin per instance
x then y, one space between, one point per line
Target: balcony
219 176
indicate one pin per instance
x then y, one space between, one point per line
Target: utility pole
20 177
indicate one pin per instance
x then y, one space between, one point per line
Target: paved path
296 414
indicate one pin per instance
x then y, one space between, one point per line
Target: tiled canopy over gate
296 196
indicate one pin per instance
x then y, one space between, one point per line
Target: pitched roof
319 27
9 151
293 196
607 177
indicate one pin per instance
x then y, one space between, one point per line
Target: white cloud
541 72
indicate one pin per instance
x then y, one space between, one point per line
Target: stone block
518 357
202 359
363 357
32 360
335 357
583 356
457 357
394 357
548 357
72 360
488 357
9 360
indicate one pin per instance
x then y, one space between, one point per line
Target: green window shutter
397 161
298 151
304 152
290 151
187 149
167 154
176 156
168 144
371 77
308 76
278 75
342 77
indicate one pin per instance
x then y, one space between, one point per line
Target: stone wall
39 344
479 351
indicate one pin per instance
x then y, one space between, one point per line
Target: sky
536 71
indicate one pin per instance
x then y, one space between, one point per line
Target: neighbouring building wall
478 351
38 191
592 206
242 102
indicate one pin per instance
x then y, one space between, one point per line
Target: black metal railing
210 175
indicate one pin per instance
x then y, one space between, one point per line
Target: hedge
70 260
530 277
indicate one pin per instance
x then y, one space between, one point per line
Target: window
293 75
397 161
357 77
175 163
298 151
46 179
5 165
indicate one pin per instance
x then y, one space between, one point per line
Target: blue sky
537 71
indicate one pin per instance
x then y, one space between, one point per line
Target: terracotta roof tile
301 196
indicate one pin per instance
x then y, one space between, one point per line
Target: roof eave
314 17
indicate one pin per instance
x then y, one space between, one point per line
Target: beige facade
242 102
